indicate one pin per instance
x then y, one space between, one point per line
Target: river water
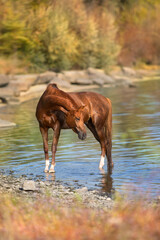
136 145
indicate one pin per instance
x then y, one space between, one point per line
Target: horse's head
75 120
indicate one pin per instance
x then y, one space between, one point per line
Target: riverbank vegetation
76 34
42 219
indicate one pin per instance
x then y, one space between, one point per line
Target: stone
72 76
3 100
22 83
34 92
99 77
98 81
6 92
4 80
82 190
4 123
60 82
129 72
29 185
42 184
95 71
122 80
108 79
82 81
109 199
45 77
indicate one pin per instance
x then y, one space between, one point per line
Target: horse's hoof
51 171
45 170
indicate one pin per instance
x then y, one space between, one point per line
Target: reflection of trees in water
18 140
135 113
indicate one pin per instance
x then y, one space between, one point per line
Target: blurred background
37 35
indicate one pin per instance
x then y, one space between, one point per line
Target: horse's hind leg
44 132
99 135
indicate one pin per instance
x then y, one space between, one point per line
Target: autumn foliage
76 34
139 32
42 219
57 34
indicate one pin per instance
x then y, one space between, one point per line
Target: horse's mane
54 91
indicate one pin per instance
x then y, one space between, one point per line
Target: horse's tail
108 133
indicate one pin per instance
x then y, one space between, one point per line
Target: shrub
58 34
139 28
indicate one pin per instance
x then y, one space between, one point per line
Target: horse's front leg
54 144
103 151
44 132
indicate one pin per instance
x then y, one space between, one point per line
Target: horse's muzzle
82 135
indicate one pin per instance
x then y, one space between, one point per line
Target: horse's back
91 99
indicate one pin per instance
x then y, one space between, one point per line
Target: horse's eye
77 118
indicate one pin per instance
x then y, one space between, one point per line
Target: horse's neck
57 97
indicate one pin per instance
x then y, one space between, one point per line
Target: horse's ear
54 85
63 110
66 112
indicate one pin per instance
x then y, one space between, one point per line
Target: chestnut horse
58 110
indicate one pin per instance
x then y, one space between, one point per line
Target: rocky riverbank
18 88
15 89
61 195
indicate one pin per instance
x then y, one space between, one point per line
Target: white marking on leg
47 166
101 164
52 168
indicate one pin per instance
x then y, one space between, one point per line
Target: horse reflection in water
107 181
58 110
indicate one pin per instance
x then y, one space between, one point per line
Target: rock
132 85
29 185
72 76
98 81
4 80
108 79
121 80
22 83
82 81
6 92
17 85
3 100
42 184
4 123
116 71
99 77
34 92
95 71
45 78
109 199
129 72
60 82
82 190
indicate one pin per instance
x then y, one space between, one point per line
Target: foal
58 110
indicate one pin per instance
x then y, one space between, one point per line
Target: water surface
136 145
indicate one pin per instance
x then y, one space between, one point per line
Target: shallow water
136 145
